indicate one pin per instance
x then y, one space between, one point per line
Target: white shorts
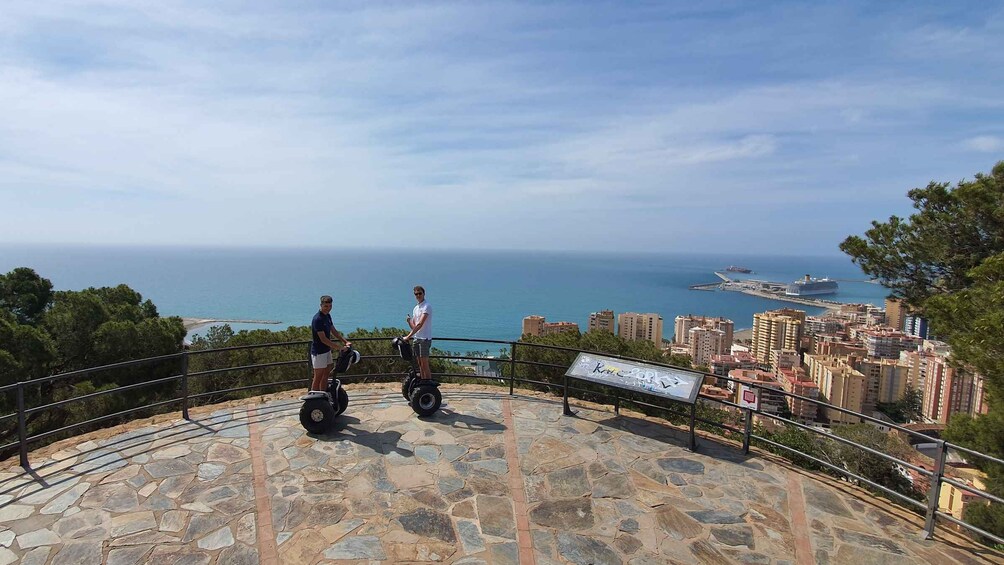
321 361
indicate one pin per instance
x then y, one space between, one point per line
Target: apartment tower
533 325
602 321
706 343
683 325
634 326
776 329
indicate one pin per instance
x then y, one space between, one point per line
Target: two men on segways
326 398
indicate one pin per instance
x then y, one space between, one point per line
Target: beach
195 323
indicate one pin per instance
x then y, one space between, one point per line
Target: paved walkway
493 479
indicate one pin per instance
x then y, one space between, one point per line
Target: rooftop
491 479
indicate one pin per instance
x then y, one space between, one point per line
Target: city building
888 344
706 343
771 401
551 328
947 391
720 365
840 384
776 329
716 393
602 321
538 325
915 326
683 325
895 310
533 325
836 345
823 325
633 326
885 381
980 405
867 314
953 500
784 359
795 381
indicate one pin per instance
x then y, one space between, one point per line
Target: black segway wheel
425 400
343 401
317 415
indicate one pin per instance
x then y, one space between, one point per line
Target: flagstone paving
461 487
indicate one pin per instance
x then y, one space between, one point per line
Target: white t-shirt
416 313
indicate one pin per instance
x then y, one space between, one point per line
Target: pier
763 289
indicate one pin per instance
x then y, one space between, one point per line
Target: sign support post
671 383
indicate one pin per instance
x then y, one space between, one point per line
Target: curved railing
509 374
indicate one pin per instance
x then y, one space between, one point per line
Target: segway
423 396
320 408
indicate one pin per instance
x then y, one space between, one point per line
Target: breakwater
763 289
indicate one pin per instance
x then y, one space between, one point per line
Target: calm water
474 294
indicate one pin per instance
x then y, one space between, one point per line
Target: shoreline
195 323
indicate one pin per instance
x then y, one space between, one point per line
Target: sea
474 294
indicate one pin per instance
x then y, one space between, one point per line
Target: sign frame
637 376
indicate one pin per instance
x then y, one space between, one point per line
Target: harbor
763 289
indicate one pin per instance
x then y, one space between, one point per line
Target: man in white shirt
420 322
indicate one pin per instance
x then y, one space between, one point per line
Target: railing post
184 385
693 424
22 428
934 494
747 432
512 369
564 402
617 402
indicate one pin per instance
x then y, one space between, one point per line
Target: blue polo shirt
320 323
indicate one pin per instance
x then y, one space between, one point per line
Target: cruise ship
738 269
811 287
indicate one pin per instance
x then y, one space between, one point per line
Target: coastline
195 323
745 334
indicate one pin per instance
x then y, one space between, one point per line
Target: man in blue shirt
323 331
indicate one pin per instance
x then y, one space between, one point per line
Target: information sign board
749 397
682 386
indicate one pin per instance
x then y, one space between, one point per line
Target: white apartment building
706 343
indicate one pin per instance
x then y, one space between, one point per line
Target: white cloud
241 124
985 143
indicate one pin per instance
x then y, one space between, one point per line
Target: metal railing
928 508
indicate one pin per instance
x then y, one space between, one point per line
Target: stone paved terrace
494 479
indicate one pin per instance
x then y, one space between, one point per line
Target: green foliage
947 262
797 439
935 250
24 294
44 332
868 465
26 351
850 458
679 360
971 320
906 409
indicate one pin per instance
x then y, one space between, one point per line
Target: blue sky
717 127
